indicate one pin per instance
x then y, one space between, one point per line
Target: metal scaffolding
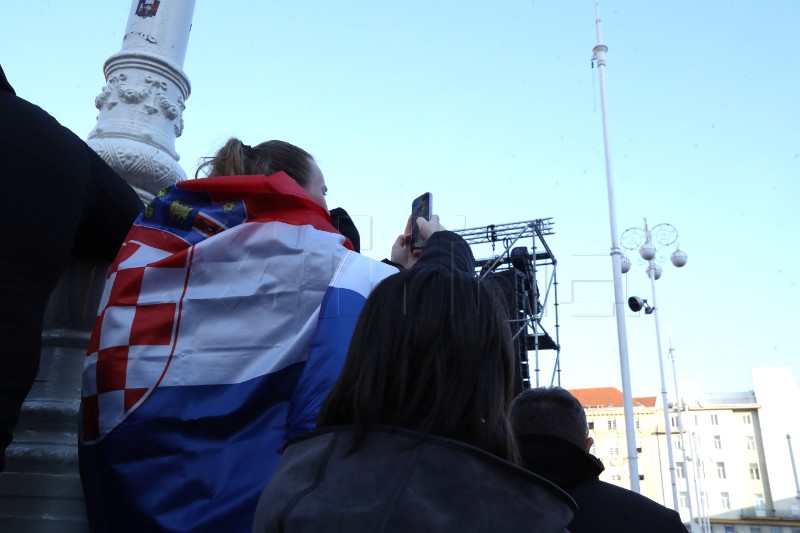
518 269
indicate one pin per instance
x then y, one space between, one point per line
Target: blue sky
495 109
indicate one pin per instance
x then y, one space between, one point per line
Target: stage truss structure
503 254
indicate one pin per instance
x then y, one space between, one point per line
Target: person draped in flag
224 322
415 434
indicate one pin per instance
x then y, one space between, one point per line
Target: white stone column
141 115
141 106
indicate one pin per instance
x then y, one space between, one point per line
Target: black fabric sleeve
61 199
447 249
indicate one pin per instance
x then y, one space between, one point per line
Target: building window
591 424
684 500
717 442
679 469
701 467
614 450
673 421
615 476
678 443
754 473
721 470
751 442
637 423
759 501
612 423
725 498
730 529
593 449
714 420
747 420
755 529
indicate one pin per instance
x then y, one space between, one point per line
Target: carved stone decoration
141 107
145 169
141 115
153 94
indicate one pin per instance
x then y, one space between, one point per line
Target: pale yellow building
733 462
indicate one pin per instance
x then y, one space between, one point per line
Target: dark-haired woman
415 435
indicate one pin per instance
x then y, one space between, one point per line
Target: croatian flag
224 322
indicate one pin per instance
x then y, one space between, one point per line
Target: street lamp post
680 435
599 55
648 242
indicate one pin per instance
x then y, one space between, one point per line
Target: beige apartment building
734 461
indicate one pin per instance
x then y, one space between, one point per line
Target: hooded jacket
601 506
401 481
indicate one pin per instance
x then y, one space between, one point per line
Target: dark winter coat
59 199
400 481
601 506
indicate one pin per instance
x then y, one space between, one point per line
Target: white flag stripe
145 365
252 302
361 274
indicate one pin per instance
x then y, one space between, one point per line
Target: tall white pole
599 52
665 404
692 525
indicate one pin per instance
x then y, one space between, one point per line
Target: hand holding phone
420 207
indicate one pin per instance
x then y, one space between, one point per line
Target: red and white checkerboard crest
133 336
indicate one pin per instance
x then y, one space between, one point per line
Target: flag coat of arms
224 322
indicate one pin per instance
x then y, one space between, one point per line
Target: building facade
733 454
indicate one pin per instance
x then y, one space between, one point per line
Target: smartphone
420 207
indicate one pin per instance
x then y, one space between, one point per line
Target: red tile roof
608 397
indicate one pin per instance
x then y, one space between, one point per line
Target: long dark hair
238 159
431 352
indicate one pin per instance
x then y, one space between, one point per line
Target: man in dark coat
59 198
550 424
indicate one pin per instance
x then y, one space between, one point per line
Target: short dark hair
431 352
237 159
552 411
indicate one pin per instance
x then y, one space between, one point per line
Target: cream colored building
733 461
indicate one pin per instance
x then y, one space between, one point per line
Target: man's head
551 411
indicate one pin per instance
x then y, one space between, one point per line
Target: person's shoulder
17 108
33 130
663 518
